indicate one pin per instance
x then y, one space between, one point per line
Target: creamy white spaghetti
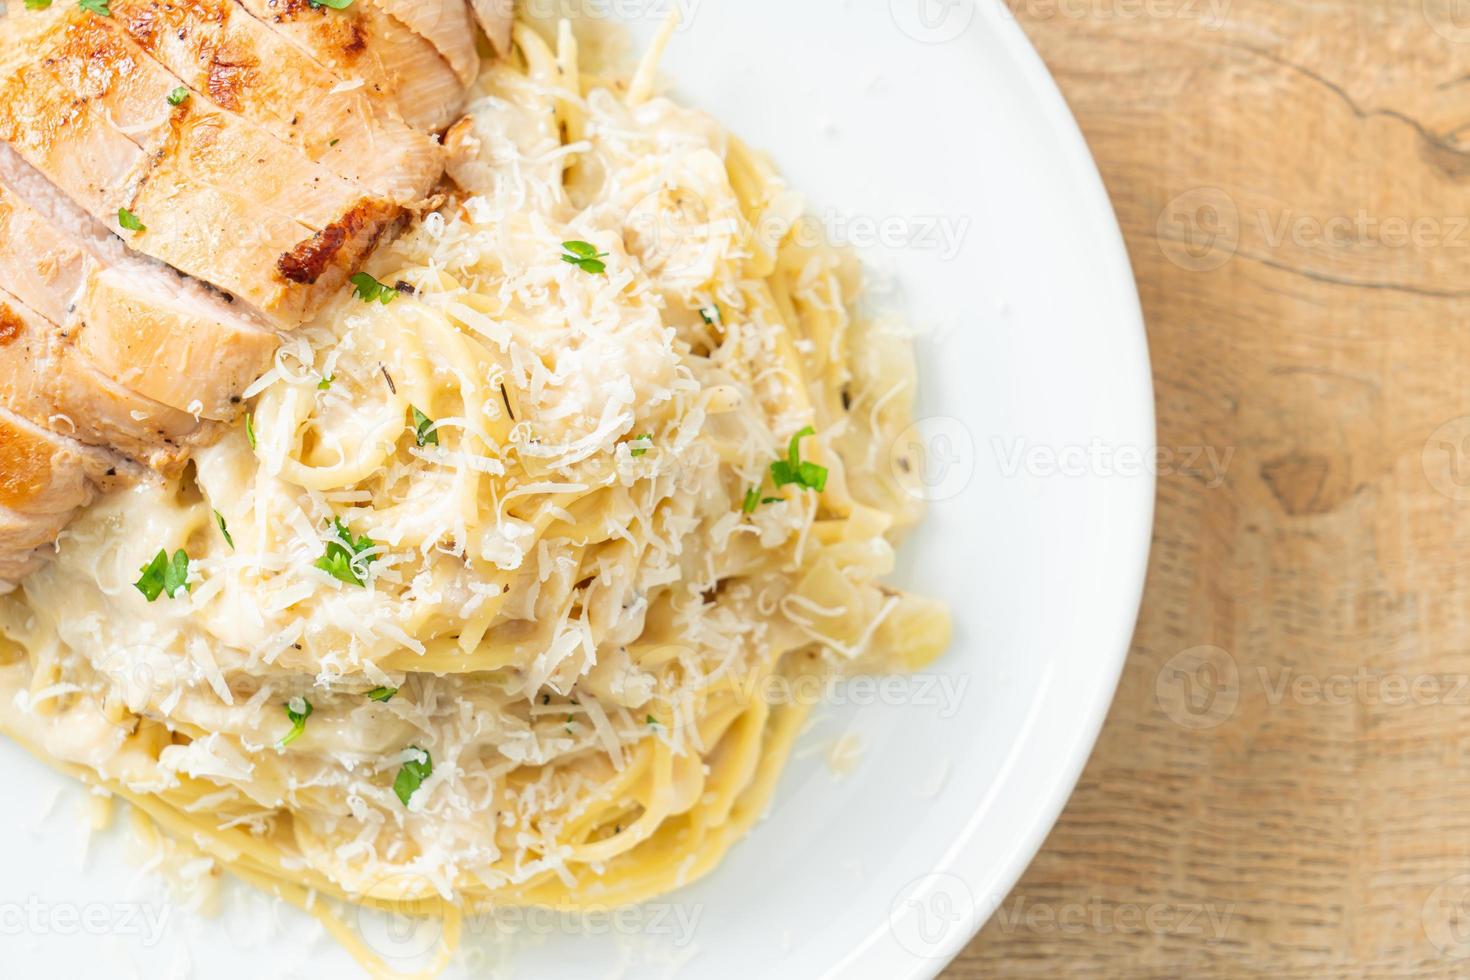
487 602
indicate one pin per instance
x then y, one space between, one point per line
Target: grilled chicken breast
446 25
364 45
217 197
238 64
136 321
44 379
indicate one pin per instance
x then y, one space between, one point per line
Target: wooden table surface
1283 785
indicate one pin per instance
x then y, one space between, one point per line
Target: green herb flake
752 500
382 694
652 721
326 382
345 560
178 96
334 4
369 290
224 529
584 256
423 429
412 775
38 4
711 315
333 142
647 441
98 7
129 220
298 710
163 574
250 429
792 469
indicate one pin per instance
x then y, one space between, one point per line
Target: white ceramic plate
930 128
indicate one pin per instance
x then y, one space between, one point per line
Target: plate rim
966 857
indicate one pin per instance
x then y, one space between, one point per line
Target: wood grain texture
1283 785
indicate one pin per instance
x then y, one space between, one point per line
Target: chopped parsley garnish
652 721
38 4
344 560
368 289
224 529
413 774
584 256
753 499
647 444
793 470
711 315
178 96
334 4
98 7
164 574
129 220
333 142
423 429
298 710
250 429
325 382
382 694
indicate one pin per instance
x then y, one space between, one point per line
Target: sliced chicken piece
165 349
446 25
44 480
496 17
239 64
44 380
42 473
218 197
363 43
136 321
